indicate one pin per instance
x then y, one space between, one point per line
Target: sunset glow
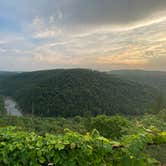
67 34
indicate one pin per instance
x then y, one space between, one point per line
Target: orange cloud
129 57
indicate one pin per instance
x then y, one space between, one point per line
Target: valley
79 108
82 82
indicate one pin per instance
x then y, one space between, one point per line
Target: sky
97 34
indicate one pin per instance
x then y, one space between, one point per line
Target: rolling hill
74 92
5 75
155 79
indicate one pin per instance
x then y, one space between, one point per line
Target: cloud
104 35
129 57
112 12
84 13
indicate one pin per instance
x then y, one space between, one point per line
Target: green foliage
158 152
110 127
114 127
159 104
156 79
85 93
23 148
74 92
2 106
157 120
44 125
3 76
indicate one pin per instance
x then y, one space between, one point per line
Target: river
11 107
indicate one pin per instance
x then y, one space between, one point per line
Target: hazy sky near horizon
98 34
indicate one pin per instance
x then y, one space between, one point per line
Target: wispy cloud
102 35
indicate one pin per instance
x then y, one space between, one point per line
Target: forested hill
73 92
156 79
6 74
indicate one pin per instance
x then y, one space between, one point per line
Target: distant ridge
71 92
6 74
155 79
2 73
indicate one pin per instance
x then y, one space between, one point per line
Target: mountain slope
4 75
77 91
156 79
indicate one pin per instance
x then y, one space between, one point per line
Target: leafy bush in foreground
110 127
72 149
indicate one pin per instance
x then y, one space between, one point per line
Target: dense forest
82 117
156 79
5 74
76 92
2 106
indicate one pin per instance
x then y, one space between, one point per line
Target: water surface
11 107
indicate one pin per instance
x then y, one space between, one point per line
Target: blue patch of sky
8 25
36 40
